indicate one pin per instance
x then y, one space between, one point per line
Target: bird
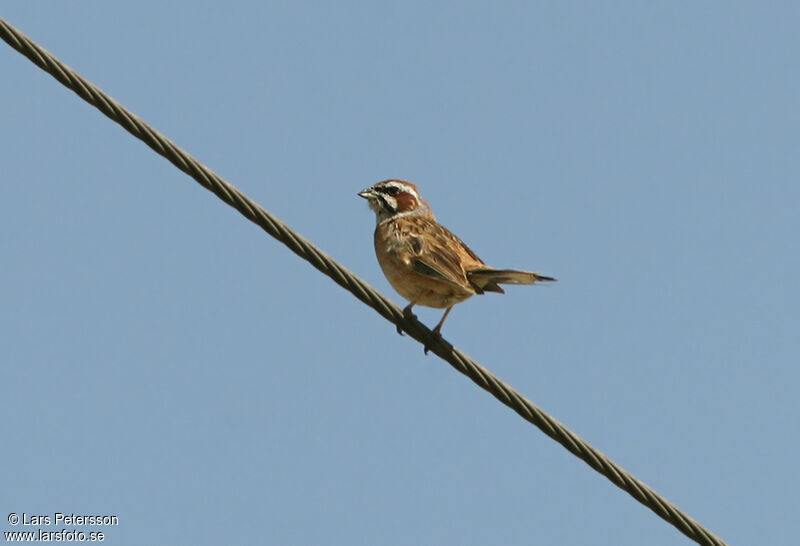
424 261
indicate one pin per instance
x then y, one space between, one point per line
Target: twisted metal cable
363 291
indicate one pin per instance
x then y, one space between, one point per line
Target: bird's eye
392 190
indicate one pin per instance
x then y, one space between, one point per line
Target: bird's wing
438 253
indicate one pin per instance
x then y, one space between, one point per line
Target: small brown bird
422 260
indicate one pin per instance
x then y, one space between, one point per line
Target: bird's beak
367 193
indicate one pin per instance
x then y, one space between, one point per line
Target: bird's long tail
487 280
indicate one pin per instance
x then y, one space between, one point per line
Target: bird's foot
408 315
437 336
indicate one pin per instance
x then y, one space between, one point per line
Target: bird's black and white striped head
393 198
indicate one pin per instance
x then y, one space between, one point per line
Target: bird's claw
408 315
437 336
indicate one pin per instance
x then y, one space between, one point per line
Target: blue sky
167 362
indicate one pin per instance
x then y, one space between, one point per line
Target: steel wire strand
363 291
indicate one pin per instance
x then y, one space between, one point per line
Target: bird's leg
438 327
407 314
437 331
